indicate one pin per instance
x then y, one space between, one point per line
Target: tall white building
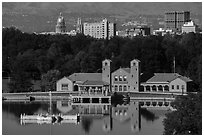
103 29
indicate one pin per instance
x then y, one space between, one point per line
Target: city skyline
23 15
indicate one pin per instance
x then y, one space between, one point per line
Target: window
177 86
120 88
64 87
172 86
124 78
116 78
124 88
116 88
120 78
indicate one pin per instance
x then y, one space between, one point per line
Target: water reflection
124 114
86 124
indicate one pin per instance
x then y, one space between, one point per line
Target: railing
94 92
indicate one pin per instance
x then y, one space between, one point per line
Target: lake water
94 119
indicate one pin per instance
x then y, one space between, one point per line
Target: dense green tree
49 80
188 117
37 54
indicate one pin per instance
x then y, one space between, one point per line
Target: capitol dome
60 27
60 19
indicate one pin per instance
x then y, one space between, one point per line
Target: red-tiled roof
136 60
185 79
95 83
166 77
126 69
86 76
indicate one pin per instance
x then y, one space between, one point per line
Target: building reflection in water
122 113
88 112
64 106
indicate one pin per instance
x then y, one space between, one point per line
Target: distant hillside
128 8
39 17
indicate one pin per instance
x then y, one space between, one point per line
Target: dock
46 118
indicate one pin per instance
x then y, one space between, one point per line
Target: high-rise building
174 20
103 29
60 27
79 26
112 30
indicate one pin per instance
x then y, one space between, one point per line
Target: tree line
28 57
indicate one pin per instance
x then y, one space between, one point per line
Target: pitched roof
166 77
63 78
88 82
136 60
126 69
185 79
86 76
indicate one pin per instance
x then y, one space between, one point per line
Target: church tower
134 81
106 74
60 27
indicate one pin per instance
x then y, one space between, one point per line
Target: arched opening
166 104
160 103
116 88
148 103
147 88
154 88
154 103
120 88
76 88
160 88
141 103
166 88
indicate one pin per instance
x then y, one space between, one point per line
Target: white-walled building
166 82
91 83
189 27
103 29
123 80
127 79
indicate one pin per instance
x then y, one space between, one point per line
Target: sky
42 16
47 8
